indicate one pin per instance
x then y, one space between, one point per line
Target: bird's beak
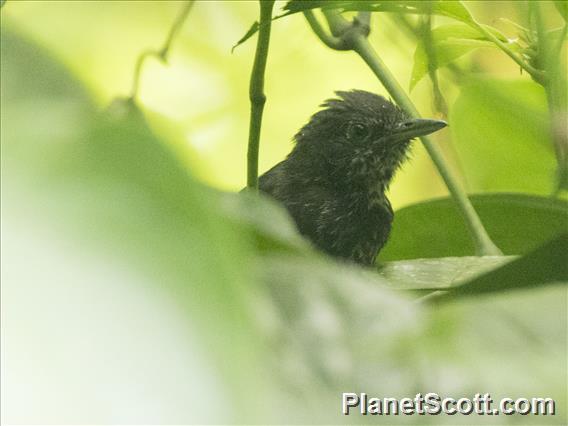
414 128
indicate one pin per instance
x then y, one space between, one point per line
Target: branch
550 59
256 92
161 54
329 40
537 75
354 35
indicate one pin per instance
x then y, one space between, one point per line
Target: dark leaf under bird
333 183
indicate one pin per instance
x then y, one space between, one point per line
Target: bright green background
199 102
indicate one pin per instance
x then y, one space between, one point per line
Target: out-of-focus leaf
516 223
337 330
266 219
325 320
501 132
451 9
295 6
546 265
251 31
436 274
449 42
562 7
103 185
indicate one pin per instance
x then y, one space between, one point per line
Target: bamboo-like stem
256 92
355 36
162 53
555 87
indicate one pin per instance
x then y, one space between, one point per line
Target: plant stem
537 75
256 92
161 54
426 30
550 59
330 41
355 36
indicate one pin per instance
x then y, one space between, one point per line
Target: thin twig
355 36
161 54
256 92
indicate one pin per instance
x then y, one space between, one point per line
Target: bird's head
361 137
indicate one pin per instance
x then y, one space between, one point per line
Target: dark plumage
333 182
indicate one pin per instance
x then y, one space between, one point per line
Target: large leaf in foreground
104 233
517 224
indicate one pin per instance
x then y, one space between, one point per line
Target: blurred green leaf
547 264
106 183
501 131
562 7
295 6
516 223
451 9
273 229
449 42
438 273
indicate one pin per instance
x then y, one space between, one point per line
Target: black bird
333 182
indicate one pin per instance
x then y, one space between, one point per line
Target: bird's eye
357 131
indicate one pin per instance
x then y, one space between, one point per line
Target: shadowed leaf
517 223
546 265
436 274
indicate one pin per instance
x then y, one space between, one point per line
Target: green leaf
251 31
102 193
562 7
451 9
295 6
501 131
545 265
449 42
254 29
516 223
266 219
437 274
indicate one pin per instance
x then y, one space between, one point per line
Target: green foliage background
134 290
